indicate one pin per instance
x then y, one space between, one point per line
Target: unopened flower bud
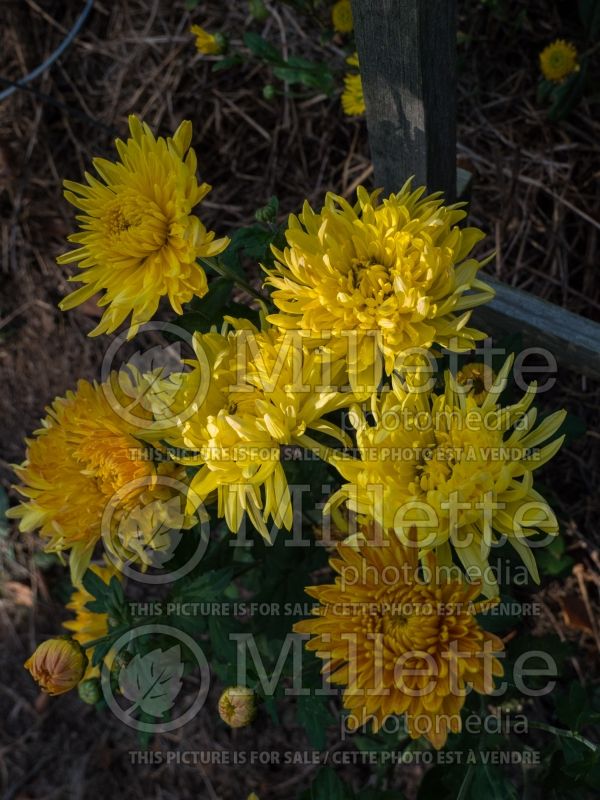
89 691
237 706
57 665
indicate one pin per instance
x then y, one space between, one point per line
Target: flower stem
223 270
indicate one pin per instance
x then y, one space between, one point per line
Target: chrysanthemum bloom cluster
263 392
458 468
353 99
558 60
341 16
57 665
86 477
401 643
139 239
363 293
370 281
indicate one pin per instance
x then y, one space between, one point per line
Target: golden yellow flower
370 281
139 240
237 706
265 392
478 378
57 665
353 101
459 470
341 16
208 44
401 644
86 474
558 60
89 625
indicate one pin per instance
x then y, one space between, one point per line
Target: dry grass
536 193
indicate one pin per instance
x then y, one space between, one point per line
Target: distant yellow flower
207 43
57 665
139 240
353 101
265 393
237 706
558 60
341 16
370 281
477 378
86 461
89 625
399 643
458 469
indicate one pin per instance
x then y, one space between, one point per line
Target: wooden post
407 57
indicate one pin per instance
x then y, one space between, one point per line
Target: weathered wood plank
407 56
573 340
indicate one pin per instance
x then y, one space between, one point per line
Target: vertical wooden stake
407 56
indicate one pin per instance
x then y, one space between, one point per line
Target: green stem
225 272
566 734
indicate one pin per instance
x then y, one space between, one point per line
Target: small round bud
268 91
89 691
222 42
237 706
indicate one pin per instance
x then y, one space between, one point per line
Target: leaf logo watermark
152 681
150 684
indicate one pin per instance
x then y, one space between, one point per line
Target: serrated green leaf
314 716
261 48
328 786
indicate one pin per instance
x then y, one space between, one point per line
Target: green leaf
152 681
227 63
299 70
94 584
204 588
552 560
261 48
314 716
328 786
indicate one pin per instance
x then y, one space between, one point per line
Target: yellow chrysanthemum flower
370 281
341 16
209 44
265 392
558 60
57 665
89 625
398 643
353 99
87 476
458 469
478 378
139 240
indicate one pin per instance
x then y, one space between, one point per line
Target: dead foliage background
536 193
